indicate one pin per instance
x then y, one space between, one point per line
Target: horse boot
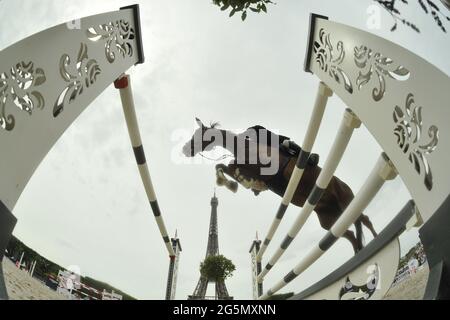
232 186
223 181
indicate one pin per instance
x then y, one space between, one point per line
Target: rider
285 144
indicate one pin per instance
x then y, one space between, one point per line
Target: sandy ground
23 287
412 288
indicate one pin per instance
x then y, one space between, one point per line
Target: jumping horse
253 156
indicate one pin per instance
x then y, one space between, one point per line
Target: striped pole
383 171
126 95
21 258
33 267
323 94
349 123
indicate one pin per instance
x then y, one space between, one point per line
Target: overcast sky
86 206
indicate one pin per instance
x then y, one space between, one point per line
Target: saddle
288 146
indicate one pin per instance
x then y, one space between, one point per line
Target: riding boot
293 148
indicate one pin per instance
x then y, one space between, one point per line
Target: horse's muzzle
187 150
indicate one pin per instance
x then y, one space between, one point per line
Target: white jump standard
46 81
382 172
386 88
126 95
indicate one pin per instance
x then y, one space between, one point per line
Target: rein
218 159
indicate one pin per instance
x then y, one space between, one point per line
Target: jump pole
126 96
21 258
382 172
349 123
323 93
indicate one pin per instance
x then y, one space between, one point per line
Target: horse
253 167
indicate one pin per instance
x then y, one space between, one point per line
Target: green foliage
428 7
243 6
217 268
45 267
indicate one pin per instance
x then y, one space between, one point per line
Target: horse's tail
359 234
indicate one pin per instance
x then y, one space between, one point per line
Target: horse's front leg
221 169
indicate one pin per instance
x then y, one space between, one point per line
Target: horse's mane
214 125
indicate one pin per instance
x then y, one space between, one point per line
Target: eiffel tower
212 250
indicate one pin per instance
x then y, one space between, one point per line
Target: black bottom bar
7 223
139 154
327 241
435 238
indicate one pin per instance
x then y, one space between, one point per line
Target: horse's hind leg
350 236
366 221
345 196
359 234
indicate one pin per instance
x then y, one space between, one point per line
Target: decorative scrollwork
330 59
409 135
118 37
17 88
361 292
79 75
375 65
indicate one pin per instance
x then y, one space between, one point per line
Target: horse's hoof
233 186
220 182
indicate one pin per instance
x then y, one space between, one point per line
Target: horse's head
198 143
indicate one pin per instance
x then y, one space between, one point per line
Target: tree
217 268
429 7
242 6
